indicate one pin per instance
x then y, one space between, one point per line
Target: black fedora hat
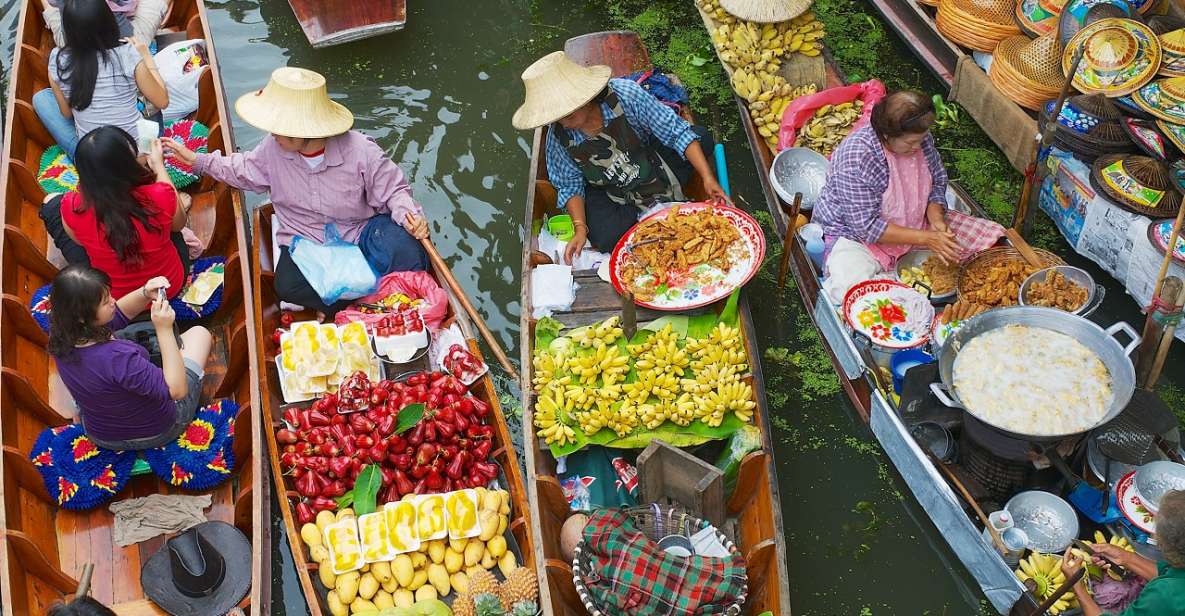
204 571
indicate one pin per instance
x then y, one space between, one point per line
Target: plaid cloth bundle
630 574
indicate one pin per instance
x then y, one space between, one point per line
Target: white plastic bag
336 269
182 85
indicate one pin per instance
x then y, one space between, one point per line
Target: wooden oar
995 535
1026 251
84 581
1045 137
444 270
788 241
1153 343
1061 590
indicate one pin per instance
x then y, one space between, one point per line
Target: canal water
438 96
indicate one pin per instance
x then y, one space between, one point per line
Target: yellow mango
336 607
361 606
459 581
458 545
404 598
438 576
328 579
318 553
419 580
453 560
343 514
381 571
325 518
418 560
426 593
391 585
503 524
507 563
473 553
489 524
383 600
311 535
497 546
488 561
436 551
403 569
368 587
347 587
491 501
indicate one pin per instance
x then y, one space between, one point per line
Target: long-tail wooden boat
267 315
995 578
754 508
338 21
45 548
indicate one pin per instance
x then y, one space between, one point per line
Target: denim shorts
186 409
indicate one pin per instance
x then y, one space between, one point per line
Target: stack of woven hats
977 24
1088 126
1027 70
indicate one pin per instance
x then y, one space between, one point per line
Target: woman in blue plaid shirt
613 150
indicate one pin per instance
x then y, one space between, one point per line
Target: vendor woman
613 150
1165 593
318 171
885 195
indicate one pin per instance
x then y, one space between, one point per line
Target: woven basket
1028 71
657 521
993 256
976 24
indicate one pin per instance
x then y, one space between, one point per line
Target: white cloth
140 519
552 288
848 264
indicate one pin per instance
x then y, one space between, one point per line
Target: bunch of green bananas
1046 572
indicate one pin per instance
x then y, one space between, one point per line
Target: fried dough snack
677 242
942 277
997 284
961 311
1056 292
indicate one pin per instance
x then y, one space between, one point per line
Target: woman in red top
125 219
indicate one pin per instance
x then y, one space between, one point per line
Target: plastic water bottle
1001 521
812 235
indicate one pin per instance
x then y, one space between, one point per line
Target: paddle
444 270
788 240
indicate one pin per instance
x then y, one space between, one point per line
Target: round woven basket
657 521
980 263
976 24
1028 71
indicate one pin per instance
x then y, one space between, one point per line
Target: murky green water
439 96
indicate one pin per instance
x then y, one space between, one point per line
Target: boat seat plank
749 476
23 213
203 215
25 473
19 393
31 270
36 562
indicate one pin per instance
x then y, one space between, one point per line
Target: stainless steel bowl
1048 520
1155 479
799 170
915 258
1114 357
1094 292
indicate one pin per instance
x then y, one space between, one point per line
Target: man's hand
417 226
715 191
575 245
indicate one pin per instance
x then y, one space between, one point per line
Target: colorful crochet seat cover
56 173
40 308
202 457
78 474
195 136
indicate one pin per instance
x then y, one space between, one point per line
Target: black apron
619 162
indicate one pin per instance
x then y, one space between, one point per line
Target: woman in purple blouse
124 401
885 195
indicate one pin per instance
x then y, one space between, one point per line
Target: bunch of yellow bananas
718 361
1046 572
549 368
616 416
1118 541
606 363
550 410
599 334
767 116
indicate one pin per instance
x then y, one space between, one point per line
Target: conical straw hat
557 86
765 11
1121 55
1173 45
294 103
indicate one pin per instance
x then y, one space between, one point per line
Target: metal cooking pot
799 170
1094 292
915 258
1114 357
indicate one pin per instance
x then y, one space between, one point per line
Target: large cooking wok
1114 357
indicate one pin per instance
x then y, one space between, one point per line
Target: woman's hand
156 156
162 314
944 244
715 191
575 245
153 286
179 151
417 226
139 45
1071 563
936 216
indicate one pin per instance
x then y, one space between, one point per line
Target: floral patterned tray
890 313
1131 506
702 284
1158 234
940 331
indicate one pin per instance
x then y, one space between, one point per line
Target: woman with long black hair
125 219
124 400
96 78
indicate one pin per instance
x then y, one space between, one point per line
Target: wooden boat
267 315
45 548
754 509
928 484
338 21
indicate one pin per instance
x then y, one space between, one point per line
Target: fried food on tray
997 284
1056 291
677 242
943 277
961 311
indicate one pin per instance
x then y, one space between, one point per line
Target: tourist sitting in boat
139 18
885 195
613 150
317 172
1164 595
124 401
125 219
96 77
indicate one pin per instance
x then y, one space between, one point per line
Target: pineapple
488 604
463 605
523 608
520 585
483 582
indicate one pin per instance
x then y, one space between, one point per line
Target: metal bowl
1048 520
1155 479
915 258
1094 292
799 170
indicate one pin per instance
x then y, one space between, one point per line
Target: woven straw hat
1173 45
1147 137
557 86
1136 183
294 103
1088 126
1175 133
1033 19
1078 14
1027 71
765 11
977 24
1163 98
1121 56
